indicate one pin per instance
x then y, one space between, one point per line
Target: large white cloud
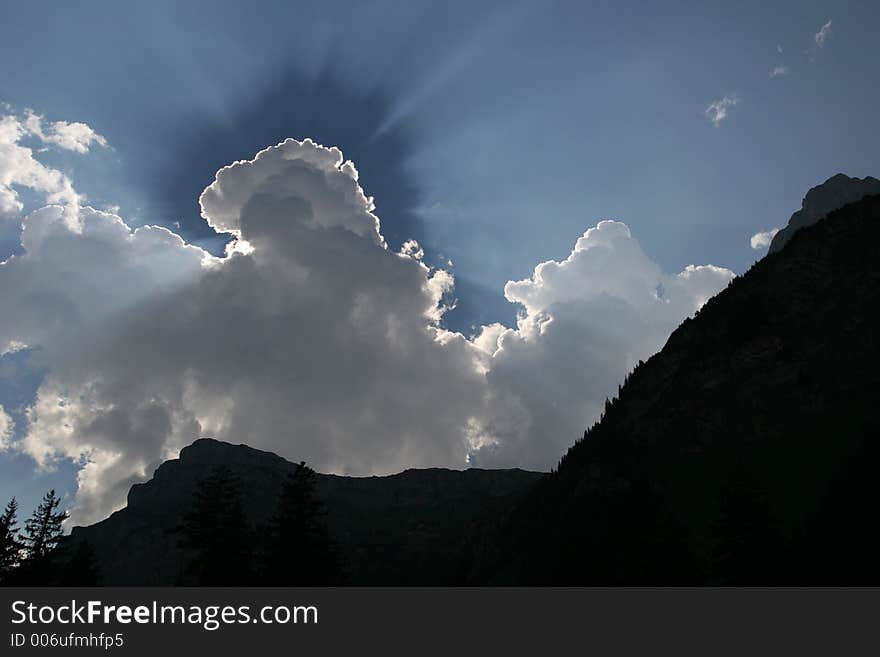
74 282
315 340
587 321
311 337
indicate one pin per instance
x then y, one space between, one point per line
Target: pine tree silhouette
300 550
217 532
10 542
42 531
42 534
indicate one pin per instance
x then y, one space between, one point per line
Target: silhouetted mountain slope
746 451
407 528
832 194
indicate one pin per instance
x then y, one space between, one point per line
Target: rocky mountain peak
833 194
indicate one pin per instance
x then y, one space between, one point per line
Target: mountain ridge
406 528
819 201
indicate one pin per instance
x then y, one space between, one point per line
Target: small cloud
412 249
20 168
762 240
823 34
778 71
71 136
76 136
779 48
716 111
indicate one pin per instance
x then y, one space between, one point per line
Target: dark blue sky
494 133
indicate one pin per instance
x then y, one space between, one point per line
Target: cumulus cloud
316 341
823 34
311 337
762 239
778 71
5 429
717 110
19 168
73 282
587 321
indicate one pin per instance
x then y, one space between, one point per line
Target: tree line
225 549
38 555
222 547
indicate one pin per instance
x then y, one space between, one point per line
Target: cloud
72 281
587 320
311 337
779 48
6 427
778 71
823 34
72 136
315 341
762 239
717 110
19 168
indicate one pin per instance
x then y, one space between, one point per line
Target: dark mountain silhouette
409 528
831 195
745 452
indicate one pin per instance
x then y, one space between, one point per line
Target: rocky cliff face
831 195
408 528
746 451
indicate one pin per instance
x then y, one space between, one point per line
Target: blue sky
493 133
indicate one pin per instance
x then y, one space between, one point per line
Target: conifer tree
218 534
300 550
42 535
10 542
42 531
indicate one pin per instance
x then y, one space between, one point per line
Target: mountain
408 528
832 194
745 452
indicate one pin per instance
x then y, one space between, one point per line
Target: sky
497 136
